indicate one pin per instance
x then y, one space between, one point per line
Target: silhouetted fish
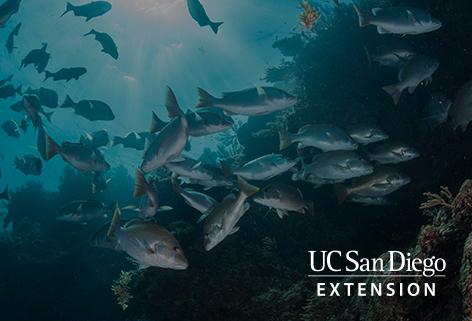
29 165
10 127
38 57
92 110
66 74
199 14
47 97
11 38
95 139
9 91
108 45
89 10
8 9
131 140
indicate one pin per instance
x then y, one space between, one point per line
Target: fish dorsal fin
261 91
140 185
375 11
412 17
156 124
234 230
172 105
115 223
229 95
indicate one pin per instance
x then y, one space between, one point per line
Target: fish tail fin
395 91
48 116
47 75
205 99
140 184
310 207
5 195
246 189
47 147
18 90
173 108
69 7
285 139
215 26
342 192
68 102
116 141
364 17
115 222
226 169
91 32
156 124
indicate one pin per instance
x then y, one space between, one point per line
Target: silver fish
170 141
367 134
262 168
82 211
199 14
192 169
79 156
283 198
418 70
324 137
460 113
393 153
148 243
150 202
89 10
369 200
382 182
250 102
222 220
398 20
391 55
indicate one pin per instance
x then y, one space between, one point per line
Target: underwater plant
122 288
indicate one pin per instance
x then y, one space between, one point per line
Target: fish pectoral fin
281 213
381 30
234 230
165 208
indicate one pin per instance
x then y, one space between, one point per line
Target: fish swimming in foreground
436 111
150 202
82 211
370 200
324 137
108 45
201 123
223 219
95 139
250 102
193 169
47 97
392 153
418 70
199 14
460 113
4 81
170 141
11 38
392 55
39 58
92 110
66 74
199 201
5 195
10 127
89 10
283 198
148 243
29 165
398 20
131 140
334 166
8 9
382 182
8 91
367 134
81 157
262 168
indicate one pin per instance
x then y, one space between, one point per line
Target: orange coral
308 16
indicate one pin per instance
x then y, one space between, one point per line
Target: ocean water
59 267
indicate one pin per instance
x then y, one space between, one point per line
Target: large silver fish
393 153
460 113
170 141
382 182
148 243
418 70
283 198
222 220
199 14
324 137
262 168
89 10
398 20
250 102
367 134
79 156
335 166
